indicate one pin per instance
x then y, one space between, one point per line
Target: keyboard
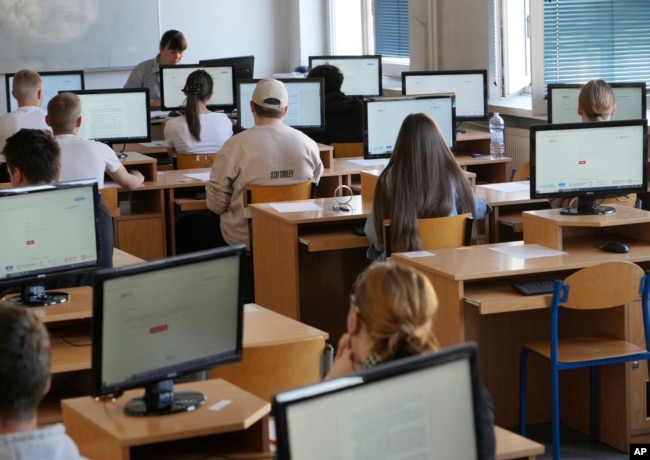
534 287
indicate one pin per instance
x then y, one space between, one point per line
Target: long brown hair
419 182
597 100
198 88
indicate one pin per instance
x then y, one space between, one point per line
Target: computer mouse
174 113
615 246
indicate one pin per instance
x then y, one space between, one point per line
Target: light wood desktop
478 303
102 431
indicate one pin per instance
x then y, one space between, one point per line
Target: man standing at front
270 153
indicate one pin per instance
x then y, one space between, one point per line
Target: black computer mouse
615 246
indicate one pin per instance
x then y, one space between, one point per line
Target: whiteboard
77 34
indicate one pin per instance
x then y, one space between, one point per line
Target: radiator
517 145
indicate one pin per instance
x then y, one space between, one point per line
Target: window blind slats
391 28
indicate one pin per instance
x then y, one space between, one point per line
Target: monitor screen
244 65
383 117
53 83
306 103
115 116
588 161
47 231
156 320
418 407
361 74
470 87
563 102
172 82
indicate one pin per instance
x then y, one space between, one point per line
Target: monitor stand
160 399
35 295
588 206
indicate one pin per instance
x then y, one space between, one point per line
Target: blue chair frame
583 279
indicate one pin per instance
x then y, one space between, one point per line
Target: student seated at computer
199 130
421 180
391 316
25 377
343 114
147 74
83 158
596 101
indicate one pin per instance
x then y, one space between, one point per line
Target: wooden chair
191 160
109 199
438 232
347 149
606 285
521 173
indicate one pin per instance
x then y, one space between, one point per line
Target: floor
575 445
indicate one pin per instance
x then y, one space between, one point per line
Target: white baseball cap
271 93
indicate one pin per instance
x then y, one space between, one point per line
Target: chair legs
522 391
555 411
593 404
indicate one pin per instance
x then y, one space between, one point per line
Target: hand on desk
344 363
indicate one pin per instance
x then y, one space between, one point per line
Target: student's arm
219 188
127 180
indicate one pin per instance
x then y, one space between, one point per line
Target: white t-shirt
85 159
216 128
23 117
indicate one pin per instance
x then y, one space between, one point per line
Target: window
391 28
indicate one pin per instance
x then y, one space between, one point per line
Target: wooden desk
306 262
513 446
477 303
101 430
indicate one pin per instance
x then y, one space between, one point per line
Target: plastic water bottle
497 141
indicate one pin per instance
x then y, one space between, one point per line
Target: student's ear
354 323
47 120
78 122
48 385
16 177
252 106
613 111
285 110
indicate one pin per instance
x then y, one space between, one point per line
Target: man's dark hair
24 362
36 153
174 40
266 112
331 74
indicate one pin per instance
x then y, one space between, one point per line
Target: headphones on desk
342 200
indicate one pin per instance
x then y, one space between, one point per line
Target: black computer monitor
157 320
470 87
48 231
115 116
306 103
173 78
562 102
420 407
383 117
588 161
361 74
53 83
244 65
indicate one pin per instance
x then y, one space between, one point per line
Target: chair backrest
347 149
521 173
191 160
270 193
109 198
438 232
605 285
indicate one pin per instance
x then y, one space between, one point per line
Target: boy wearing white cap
270 153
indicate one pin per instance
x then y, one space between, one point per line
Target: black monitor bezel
603 193
459 118
366 153
552 86
42 276
210 106
282 401
307 129
8 86
244 66
97 389
120 140
350 57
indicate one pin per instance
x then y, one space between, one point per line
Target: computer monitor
160 319
588 161
115 116
562 103
53 83
173 78
306 103
470 87
244 65
48 231
419 407
361 74
383 117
